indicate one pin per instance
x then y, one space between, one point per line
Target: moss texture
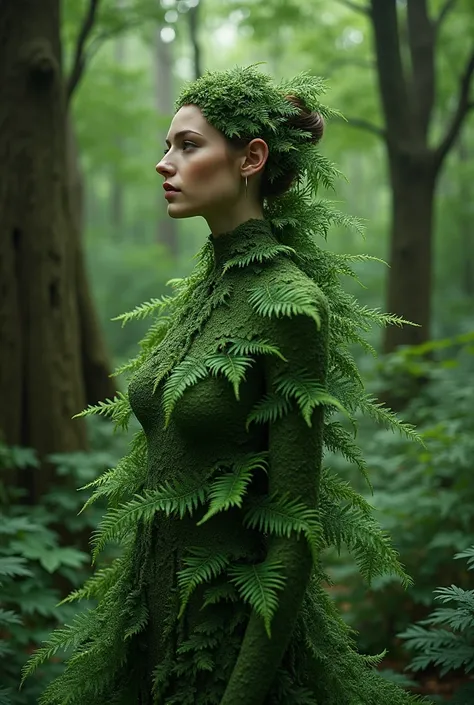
223 507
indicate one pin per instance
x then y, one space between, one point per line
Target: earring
246 185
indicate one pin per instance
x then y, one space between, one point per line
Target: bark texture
408 96
41 383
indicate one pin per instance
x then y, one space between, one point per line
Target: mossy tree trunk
45 307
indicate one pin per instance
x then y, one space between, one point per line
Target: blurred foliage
37 567
424 496
449 645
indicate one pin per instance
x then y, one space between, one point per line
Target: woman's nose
164 168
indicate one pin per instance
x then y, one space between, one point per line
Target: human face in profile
200 166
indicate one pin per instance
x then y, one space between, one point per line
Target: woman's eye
186 143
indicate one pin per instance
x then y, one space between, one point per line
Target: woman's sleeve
295 388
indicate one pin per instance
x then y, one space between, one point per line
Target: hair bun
307 120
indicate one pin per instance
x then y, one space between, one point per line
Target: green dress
223 507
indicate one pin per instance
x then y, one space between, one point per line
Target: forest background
84 236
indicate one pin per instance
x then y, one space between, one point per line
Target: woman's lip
168 194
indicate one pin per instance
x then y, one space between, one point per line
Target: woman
222 505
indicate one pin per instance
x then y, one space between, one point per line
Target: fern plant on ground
34 564
424 497
445 639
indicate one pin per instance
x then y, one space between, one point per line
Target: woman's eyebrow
183 132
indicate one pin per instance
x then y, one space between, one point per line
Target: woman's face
200 165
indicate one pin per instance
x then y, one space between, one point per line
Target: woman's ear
256 155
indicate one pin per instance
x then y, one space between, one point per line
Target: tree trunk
41 385
408 96
409 285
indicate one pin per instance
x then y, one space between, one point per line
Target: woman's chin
176 211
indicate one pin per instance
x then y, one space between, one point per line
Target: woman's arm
295 451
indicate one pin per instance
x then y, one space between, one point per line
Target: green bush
36 569
424 497
449 643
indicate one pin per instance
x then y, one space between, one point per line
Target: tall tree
409 96
51 347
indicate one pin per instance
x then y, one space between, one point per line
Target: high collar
247 236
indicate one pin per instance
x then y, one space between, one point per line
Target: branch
390 73
443 13
364 9
421 40
367 126
464 105
79 55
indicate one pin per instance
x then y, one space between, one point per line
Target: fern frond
98 584
242 346
282 516
184 375
469 554
139 623
338 440
202 565
148 308
261 255
381 414
233 367
123 481
258 585
216 593
13 566
178 498
366 541
64 638
8 617
340 491
270 408
229 490
307 392
374 315
118 409
282 299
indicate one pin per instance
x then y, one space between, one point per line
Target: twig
367 126
464 104
79 54
443 13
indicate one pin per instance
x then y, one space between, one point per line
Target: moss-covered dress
217 597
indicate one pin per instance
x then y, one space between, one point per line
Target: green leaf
179 498
202 565
242 346
146 309
231 366
184 375
282 516
307 392
259 586
229 489
260 255
13 566
270 408
283 299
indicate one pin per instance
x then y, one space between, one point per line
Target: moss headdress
246 103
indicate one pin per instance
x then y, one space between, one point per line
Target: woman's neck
220 223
